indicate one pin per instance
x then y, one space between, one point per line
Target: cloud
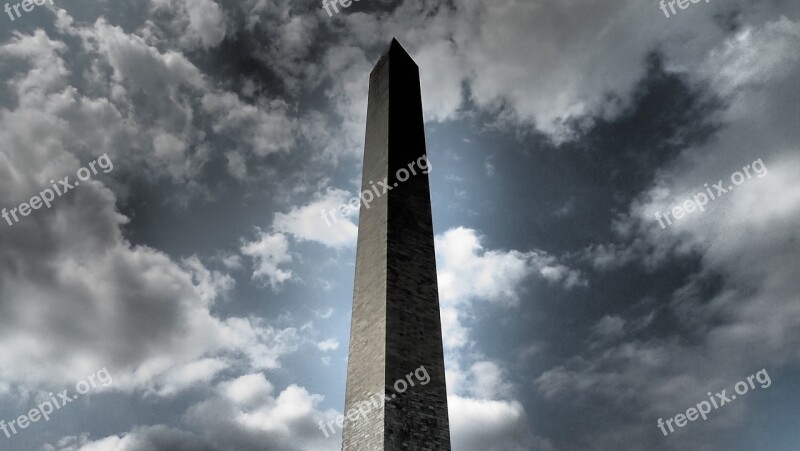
612 256
245 414
148 438
76 295
442 86
166 115
557 86
610 326
206 22
195 373
486 425
262 343
328 345
468 271
230 261
268 252
454 334
264 129
93 287
488 381
319 221
324 314
482 414
195 23
741 242
348 97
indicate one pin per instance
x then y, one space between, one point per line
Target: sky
614 196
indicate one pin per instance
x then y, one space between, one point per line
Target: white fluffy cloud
206 22
320 220
76 295
247 414
199 372
488 381
483 415
244 414
268 252
486 425
468 271
331 344
194 22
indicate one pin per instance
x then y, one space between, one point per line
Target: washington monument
395 325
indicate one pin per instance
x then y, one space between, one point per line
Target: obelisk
396 326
